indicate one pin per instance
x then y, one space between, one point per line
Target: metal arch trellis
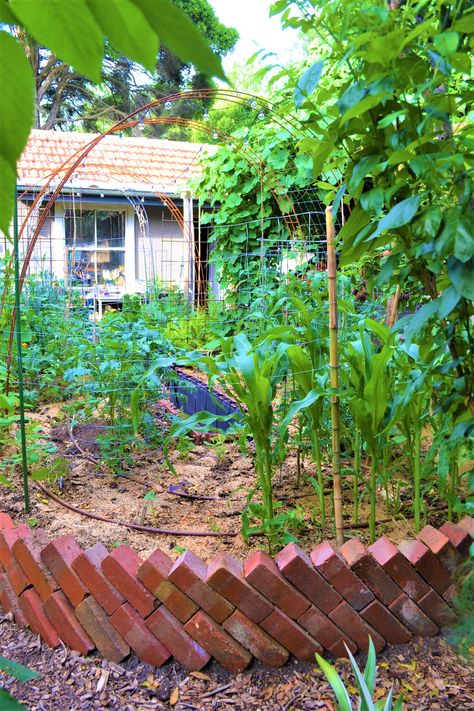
255 103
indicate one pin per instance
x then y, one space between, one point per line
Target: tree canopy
77 34
66 98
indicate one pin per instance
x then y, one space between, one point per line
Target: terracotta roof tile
115 163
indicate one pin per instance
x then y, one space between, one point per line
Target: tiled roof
115 164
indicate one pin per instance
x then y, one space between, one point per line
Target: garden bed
217 471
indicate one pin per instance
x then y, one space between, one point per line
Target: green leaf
8 703
68 29
448 301
16 118
370 670
362 169
464 240
365 105
413 324
179 34
6 15
17 670
308 83
337 684
460 274
372 201
401 214
127 29
446 43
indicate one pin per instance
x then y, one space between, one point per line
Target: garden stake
453 480
333 366
357 446
21 398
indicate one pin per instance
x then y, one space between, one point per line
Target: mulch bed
427 672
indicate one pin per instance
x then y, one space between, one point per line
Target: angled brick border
297 604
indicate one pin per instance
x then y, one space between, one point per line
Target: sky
257 30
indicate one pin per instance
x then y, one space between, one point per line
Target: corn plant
251 374
308 381
368 384
365 683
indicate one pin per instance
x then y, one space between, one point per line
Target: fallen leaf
102 683
200 675
174 697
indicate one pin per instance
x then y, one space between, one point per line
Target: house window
95 241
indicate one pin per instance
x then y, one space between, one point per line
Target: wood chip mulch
427 672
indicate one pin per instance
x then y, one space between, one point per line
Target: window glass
110 228
79 227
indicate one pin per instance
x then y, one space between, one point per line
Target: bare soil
207 495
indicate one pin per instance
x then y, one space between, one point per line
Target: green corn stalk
410 408
308 381
368 386
251 374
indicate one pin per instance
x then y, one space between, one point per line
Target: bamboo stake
334 379
393 310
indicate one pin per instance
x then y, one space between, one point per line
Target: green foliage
392 122
246 193
365 683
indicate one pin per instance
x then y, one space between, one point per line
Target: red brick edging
295 604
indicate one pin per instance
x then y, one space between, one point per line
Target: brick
58 556
170 631
226 576
467 524
296 565
261 571
367 569
8 536
9 601
16 576
385 623
437 609
6 521
355 627
88 565
121 568
397 566
99 628
132 628
61 615
226 650
450 594
189 573
32 608
412 617
441 546
460 538
427 564
325 631
153 573
291 636
253 638
27 552
329 562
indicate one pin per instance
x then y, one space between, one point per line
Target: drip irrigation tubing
135 526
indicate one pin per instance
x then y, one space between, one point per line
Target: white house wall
162 253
